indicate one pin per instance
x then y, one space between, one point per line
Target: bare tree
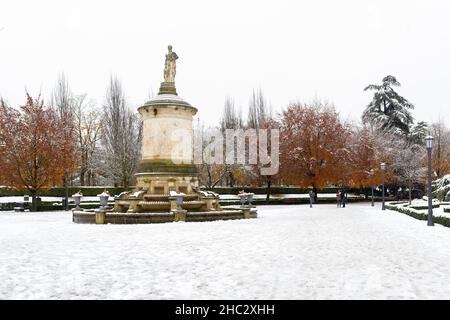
441 148
209 173
62 97
231 119
259 110
407 164
88 129
62 101
259 117
121 135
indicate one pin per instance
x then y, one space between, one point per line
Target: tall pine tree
388 110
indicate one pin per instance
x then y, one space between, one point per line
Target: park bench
20 208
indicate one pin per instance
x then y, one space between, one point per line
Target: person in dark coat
311 198
343 197
338 199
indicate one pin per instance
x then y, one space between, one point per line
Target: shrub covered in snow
421 215
441 188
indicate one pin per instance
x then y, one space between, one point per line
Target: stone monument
167 187
167 123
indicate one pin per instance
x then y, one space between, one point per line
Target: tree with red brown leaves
314 146
37 147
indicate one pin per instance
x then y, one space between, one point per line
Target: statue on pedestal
170 66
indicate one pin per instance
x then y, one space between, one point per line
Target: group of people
341 198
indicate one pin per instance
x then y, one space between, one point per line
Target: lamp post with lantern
383 168
429 144
372 174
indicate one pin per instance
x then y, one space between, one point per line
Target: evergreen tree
418 133
388 110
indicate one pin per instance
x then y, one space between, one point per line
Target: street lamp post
429 143
372 174
383 167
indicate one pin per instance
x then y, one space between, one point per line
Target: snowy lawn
289 252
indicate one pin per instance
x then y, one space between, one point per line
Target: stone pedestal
167 144
167 88
180 215
247 213
100 217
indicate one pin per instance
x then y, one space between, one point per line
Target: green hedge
447 210
93 191
282 190
50 206
423 207
420 216
285 201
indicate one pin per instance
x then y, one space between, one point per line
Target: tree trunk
410 190
66 192
81 177
33 200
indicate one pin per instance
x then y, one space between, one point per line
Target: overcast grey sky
293 50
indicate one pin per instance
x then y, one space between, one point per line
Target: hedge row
287 201
425 207
49 206
60 191
93 191
282 190
420 216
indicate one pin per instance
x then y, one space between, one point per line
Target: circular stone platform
106 217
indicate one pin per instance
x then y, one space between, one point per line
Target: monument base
158 183
111 217
167 88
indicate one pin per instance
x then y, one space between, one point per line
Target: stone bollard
100 217
176 202
180 215
247 213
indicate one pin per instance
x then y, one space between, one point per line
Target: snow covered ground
289 252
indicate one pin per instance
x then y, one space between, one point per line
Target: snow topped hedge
441 188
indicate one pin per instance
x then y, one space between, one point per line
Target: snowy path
289 252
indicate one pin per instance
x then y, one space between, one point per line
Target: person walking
343 198
311 198
315 194
338 199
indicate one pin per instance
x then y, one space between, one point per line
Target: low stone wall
162 217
